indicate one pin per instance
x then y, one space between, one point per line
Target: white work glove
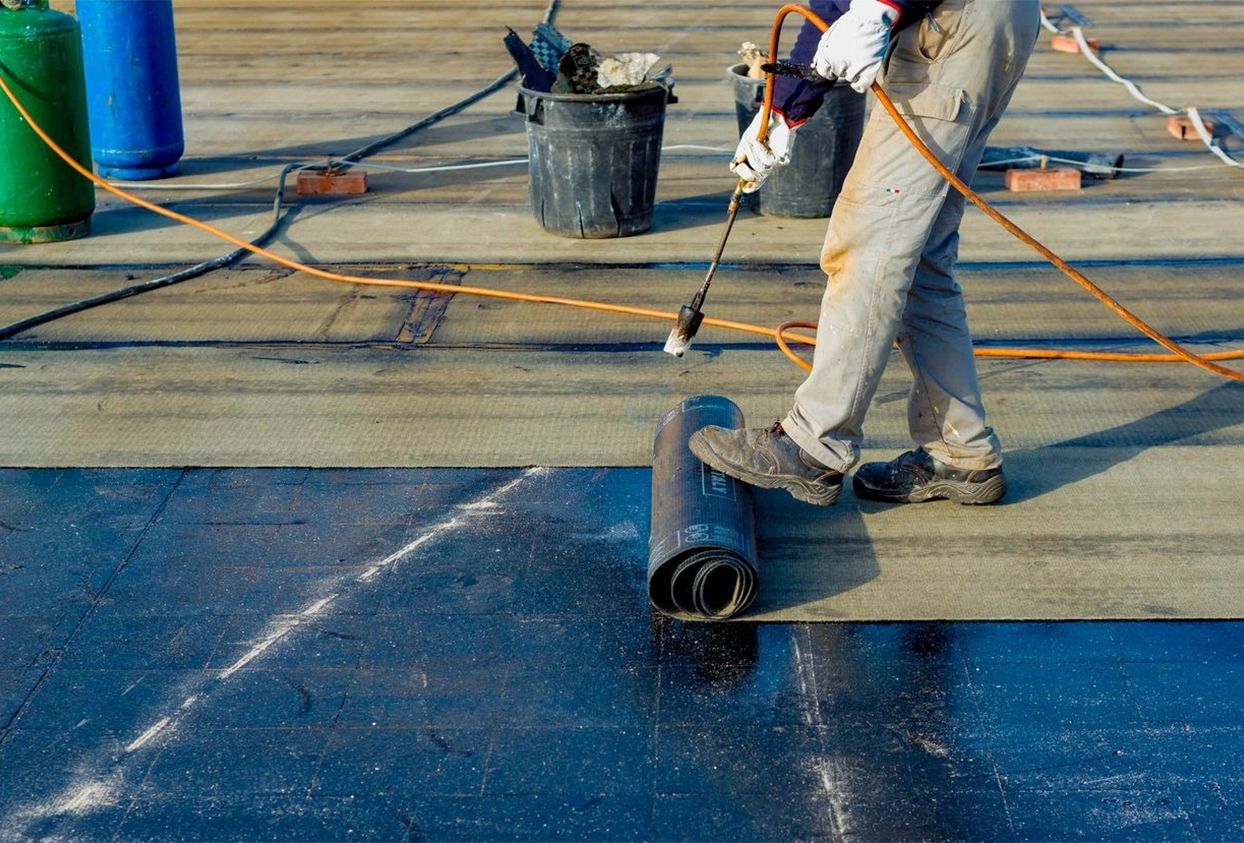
754 160
855 45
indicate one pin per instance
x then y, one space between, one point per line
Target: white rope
1194 115
447 168
1151 169
697 146
1026 159
373 165
159 185
1078 34
1054 159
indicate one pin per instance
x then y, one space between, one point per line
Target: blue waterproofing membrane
506 679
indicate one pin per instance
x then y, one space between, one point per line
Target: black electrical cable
448 111
344 162
431 120
14 328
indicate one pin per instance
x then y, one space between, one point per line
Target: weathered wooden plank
268 136
1017 303
1077 95
1086 533
1006 303
319 406
493 233
253 304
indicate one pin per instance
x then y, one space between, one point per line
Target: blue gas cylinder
133 93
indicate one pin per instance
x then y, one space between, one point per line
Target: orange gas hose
779 334
1177 351
428 286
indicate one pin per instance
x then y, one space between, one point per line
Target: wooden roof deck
257 366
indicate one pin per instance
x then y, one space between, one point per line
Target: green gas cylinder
41 198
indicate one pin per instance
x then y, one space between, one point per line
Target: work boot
766 457
915 477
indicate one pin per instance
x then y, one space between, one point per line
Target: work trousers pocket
935 36
887 169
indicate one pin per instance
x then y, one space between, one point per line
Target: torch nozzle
689 319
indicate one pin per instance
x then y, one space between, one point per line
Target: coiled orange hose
780 334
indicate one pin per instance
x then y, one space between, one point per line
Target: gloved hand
754 160
855 45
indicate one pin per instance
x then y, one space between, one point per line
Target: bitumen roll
702 546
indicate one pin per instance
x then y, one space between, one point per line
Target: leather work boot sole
916 477
766 457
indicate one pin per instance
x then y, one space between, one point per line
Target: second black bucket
594 159
824 149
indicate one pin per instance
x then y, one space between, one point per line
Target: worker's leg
945 412
949 76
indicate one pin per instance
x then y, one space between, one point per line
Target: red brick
1180 125
1068 44
349 183
1055 178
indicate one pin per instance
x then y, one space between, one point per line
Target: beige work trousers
893 241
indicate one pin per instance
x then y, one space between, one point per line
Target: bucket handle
530 106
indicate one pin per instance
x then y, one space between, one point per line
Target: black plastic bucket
594 160
824 149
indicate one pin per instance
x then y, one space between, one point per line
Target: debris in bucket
753 56
535 77
626 70
553 64
549 46
578 70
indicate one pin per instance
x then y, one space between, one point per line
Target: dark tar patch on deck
246 654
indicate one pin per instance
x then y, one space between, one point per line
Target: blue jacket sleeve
798 100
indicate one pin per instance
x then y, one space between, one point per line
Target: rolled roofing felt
702 544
